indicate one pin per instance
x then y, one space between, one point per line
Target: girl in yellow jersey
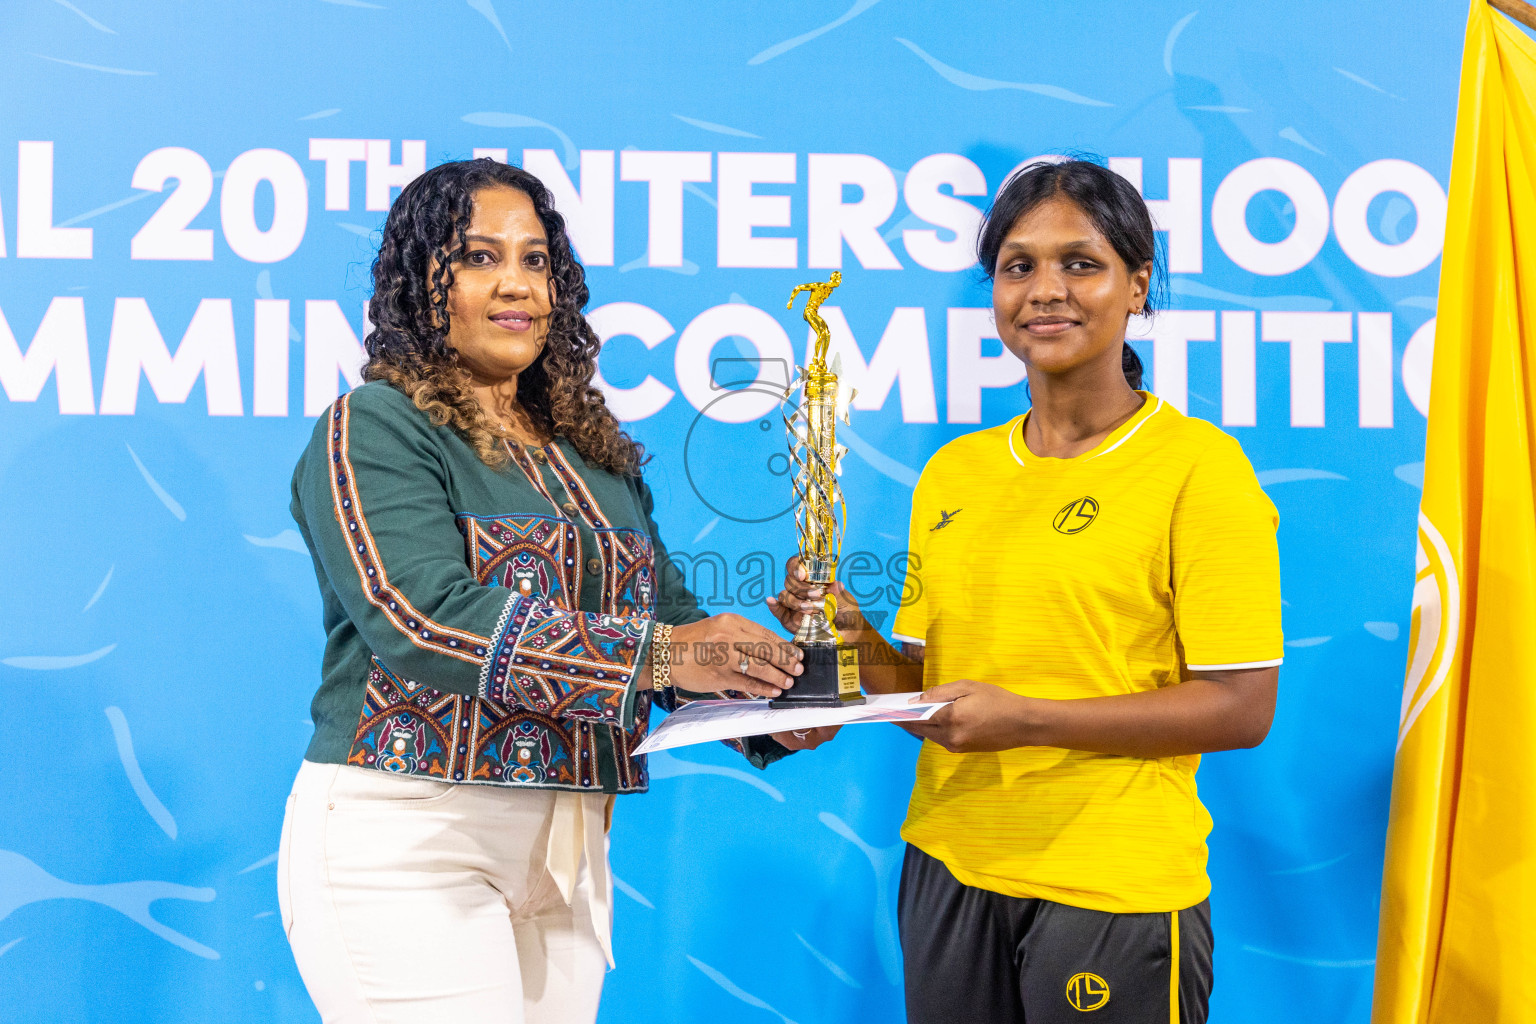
1095 586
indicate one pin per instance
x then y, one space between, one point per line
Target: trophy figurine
831 676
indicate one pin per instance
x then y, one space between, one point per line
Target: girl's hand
800 598
983 717
728 652
806 739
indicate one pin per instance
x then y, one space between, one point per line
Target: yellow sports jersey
1112 572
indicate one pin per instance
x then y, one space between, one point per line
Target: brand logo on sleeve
945 518
1087 991
1077 516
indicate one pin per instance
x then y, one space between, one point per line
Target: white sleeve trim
1226 668
919 641
497 635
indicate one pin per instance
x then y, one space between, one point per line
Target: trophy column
831 668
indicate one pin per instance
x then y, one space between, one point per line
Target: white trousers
412 901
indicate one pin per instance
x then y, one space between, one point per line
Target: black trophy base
830 679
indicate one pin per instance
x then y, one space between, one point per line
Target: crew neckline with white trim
1150 406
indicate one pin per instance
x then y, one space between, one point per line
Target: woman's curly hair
424 238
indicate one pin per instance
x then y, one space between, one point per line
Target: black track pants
980 957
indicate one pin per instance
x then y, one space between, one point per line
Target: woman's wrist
1033 720
660 674
860 634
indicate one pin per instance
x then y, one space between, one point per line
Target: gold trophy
831 676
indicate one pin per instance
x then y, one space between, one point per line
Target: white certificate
707 721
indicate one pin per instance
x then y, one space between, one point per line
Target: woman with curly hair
499 614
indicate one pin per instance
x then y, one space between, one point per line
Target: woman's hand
882 669
983 717
800 598
806 739
728 652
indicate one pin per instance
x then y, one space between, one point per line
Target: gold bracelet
661 658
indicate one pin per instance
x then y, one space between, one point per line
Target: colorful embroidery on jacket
554 674
537 556
416 730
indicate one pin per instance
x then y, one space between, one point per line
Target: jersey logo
1087 991
1077 516
945 518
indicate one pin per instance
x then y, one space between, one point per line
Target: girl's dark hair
1110 201
424 238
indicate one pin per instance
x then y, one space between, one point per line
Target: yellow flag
1458 910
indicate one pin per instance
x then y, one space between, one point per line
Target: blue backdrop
189 199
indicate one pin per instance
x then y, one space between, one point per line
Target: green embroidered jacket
482 626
